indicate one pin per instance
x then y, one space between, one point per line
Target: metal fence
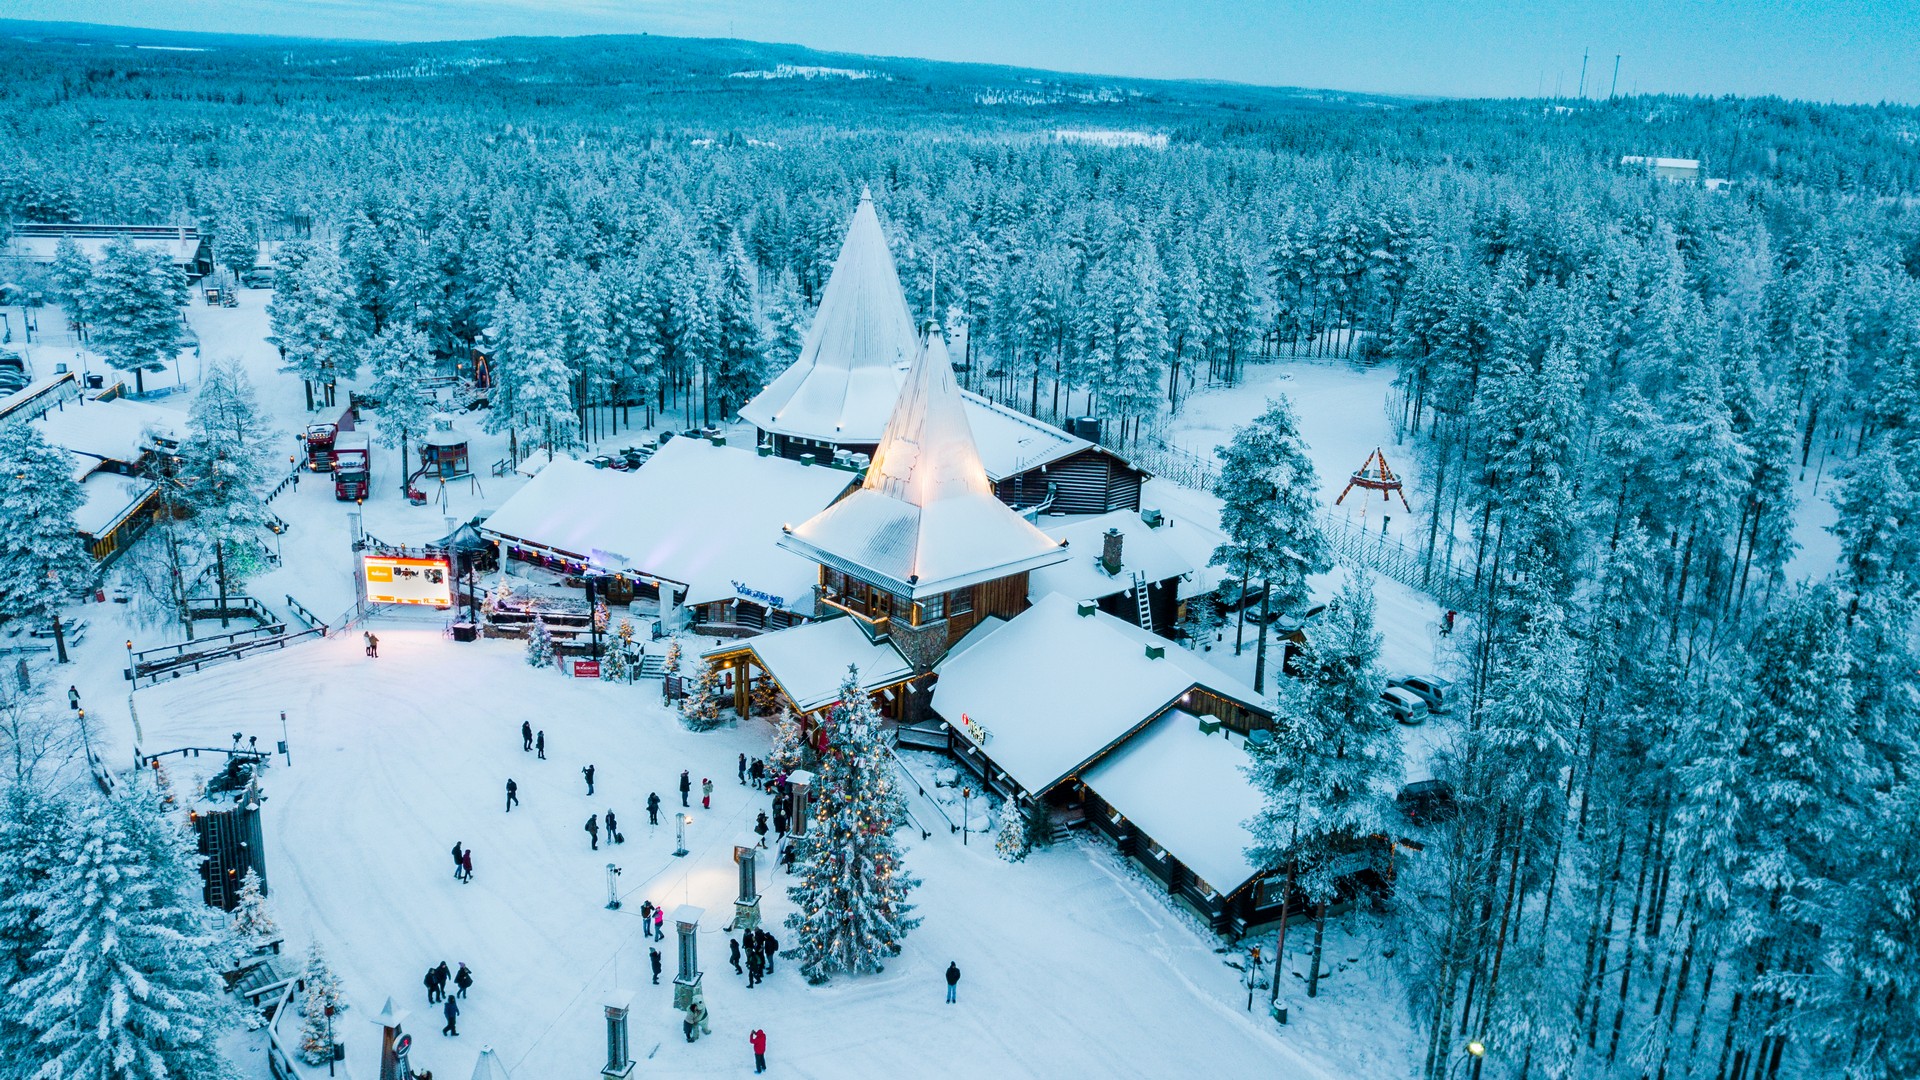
1448 584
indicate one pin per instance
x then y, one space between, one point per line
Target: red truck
351 466
319 439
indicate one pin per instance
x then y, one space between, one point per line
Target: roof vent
1150 515
1156 652
719 440
806 459
765 449
1087 608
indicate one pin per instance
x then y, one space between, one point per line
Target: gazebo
443 452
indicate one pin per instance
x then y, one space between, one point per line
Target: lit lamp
799 784
619 1050
686 984
746 906
680 823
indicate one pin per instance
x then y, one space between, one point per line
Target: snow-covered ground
1072 963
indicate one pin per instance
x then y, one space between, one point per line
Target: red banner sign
586 669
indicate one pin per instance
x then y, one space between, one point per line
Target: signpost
586 669
402 580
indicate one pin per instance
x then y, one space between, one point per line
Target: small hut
443 453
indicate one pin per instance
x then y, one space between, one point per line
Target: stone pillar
922 646
799 786
746 906
686 984
619 1050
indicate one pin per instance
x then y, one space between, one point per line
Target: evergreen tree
313 315
133 301
539 644
790 750
35 842
1012 843
252 926
400 361
852 894
1271 511
700 709
42 563
617 665
127 985
224 471
318 1031
739 364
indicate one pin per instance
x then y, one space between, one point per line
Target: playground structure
1375 476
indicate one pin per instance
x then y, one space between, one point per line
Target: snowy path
1069 966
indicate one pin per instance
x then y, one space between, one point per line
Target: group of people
436 984
760 948
462 863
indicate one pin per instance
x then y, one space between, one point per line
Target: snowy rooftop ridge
925 521
810 660
846 377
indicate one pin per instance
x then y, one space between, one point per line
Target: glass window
933 609
960 602
902 607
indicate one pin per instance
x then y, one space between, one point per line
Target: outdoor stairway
653 666
1140 597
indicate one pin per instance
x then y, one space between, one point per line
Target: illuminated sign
975 729
393 580
746 592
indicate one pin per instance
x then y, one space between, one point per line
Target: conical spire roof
848 372
926 520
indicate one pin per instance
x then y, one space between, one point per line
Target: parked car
1426 800
1230 596
1404 705
1435 691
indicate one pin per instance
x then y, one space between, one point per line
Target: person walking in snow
588 773
613 830
366 641
653 808
706 794
653 958
466 866
463 979
432 983
743 768
768 946
443 975
526 735
457 853
73 698
758 1040
760 827
780 821
756 966
1446 630
953 980
513 795
686 788
540 745
593 829
697 1013
452 1012
734 945
659 924
757 770
373 645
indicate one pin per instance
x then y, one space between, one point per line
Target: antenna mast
1583 73
1616 77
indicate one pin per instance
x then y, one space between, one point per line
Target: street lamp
966 817
680 823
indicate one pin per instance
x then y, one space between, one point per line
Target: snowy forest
1686 780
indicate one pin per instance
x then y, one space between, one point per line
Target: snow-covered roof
110 498
809 660
1053 688
1012 442
702 515
115 430
1661 162
181 249
1083 576
1189 526
1187 791
846 378
926 520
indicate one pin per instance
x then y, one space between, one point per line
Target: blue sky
1827 50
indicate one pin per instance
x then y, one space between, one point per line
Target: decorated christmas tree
539 644
700 709
789 744
852 895
253 926
617 665
1013 843
673 656
323 989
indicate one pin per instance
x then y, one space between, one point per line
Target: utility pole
1583 73
1616 77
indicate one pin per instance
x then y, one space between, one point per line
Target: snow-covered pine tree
673 656
72 270
252 925
1272 513
700 709
852 894
314 320
41 561
790 750
318 1032
1013 843
126 985
738 367
224 470
35 833
539 644
617 665
400 360
133 304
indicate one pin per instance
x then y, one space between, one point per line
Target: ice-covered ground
1072 965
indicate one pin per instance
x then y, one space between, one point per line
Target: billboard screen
393 580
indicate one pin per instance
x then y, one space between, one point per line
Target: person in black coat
432 983
743 768
613 830
457 867
757 770
953 980
463 979
588 773
452 1012
686 788
526 735
760 827
513 795
593 829
653 957
756 966
768 946
734 945
653 808
540 745
780 820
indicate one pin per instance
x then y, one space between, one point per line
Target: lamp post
613 887
686 984
680 823
966 815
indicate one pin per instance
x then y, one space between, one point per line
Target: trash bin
1279 1010
465 631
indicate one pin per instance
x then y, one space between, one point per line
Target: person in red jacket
759 1040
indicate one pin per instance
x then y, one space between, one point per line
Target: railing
300 612
228 647
286 482
231 607
1434 575
921 790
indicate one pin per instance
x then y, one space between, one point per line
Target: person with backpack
653 808
593 829
463 979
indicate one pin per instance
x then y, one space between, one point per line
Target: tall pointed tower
839 391
922 550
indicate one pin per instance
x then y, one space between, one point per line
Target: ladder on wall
1140 597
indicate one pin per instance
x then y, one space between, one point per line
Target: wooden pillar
742 676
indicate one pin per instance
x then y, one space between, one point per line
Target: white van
1404 705
1435 691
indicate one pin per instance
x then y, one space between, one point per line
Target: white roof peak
927 452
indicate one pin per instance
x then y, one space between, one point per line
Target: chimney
1110 550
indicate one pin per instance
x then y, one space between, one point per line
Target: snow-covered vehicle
1435 691
319 439
1426 800
1404 705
